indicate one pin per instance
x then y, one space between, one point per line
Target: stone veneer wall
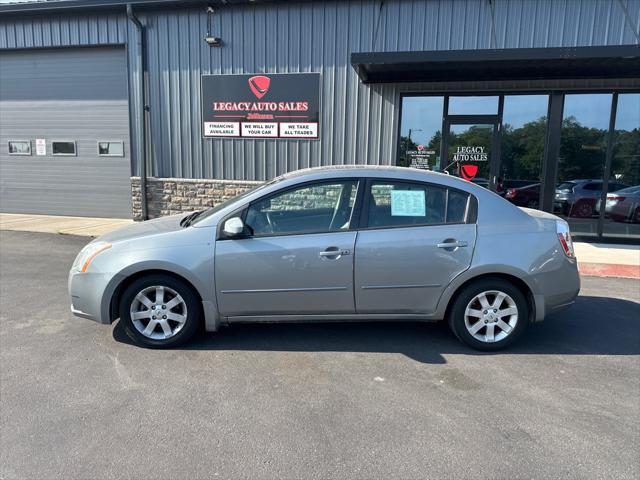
168 196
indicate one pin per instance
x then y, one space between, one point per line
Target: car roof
359 169
632 189
492 208
384 171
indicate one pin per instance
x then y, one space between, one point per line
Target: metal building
103 99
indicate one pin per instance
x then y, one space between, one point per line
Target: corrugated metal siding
359 122
67 95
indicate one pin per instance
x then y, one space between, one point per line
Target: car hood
144 229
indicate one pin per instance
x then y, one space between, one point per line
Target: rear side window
593 186
456 206
393 204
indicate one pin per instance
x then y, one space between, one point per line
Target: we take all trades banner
270 105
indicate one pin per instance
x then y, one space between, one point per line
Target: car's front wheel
489 314
160 311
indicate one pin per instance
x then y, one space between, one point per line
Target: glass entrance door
471 151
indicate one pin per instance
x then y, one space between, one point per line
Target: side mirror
233 227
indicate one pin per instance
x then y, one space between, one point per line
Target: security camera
213 41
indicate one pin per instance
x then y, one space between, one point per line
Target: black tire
191 301
456 316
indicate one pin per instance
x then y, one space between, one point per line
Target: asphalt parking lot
309 401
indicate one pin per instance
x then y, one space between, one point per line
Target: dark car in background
526 196
623 205
483 182
578 198
519 183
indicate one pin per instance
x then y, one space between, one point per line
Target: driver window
320 207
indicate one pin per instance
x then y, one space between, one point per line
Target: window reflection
581 162
583 146
469 151
420 132
622 206
524 123
473 105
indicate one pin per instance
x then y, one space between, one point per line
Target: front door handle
452 244
334 252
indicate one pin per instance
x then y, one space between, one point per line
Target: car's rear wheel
489 314
582 209
160 311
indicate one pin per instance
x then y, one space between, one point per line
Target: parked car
503 186
528 196
623 205
483 182
577 198
350 243
519 183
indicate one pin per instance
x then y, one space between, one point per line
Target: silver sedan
341 243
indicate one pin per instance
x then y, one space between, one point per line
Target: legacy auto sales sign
282 105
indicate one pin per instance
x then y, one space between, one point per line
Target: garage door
64 132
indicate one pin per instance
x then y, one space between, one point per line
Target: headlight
87 254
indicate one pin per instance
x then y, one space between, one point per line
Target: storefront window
583 146
420 132
524 123
622 207
470 152
473 105
500 142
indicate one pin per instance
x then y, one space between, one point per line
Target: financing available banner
276 105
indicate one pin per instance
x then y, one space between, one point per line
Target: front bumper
90 295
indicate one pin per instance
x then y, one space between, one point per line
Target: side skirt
354 317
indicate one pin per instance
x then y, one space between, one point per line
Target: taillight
511 193
615 198
564 236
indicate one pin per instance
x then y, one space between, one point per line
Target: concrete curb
609 270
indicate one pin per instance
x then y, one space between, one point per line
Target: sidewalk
86 226
604 260
594 259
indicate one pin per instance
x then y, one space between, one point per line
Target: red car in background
528 196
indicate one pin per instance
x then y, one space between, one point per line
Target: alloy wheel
584 210
491 316
158 312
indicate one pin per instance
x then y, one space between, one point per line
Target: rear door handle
454 244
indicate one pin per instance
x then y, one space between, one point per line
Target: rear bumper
560 289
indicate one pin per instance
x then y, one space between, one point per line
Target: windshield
207 213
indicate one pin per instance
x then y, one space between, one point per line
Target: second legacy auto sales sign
283 105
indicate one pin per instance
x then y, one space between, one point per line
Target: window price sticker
408 203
